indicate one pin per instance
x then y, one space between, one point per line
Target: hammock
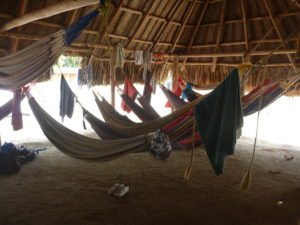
6 109
25 66
141 113
103 130
147 107
270 93
82 147
110 115
175 101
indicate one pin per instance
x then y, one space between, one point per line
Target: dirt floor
57 189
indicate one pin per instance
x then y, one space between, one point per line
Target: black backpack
9 159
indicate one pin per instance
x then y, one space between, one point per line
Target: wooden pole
51 10
112 79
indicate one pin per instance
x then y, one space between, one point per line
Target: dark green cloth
218 117
66 104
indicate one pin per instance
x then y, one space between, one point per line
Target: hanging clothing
177 90
16 120
120 56
66 99
147 87
130 90
85 76
138 56
218 117
187 92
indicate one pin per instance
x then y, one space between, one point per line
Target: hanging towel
138 55
218 117
16 120
66 99
177 90
130 90
120 56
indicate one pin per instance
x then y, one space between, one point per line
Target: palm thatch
200 39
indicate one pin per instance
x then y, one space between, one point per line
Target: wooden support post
112 79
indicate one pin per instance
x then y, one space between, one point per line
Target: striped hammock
25 66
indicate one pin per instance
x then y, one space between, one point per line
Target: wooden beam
144 18
51 10
101 46
297 3
112 79
163 29
220 34
245 24
258 18
181 28
21 12
203 11
203 63
280 35
113 16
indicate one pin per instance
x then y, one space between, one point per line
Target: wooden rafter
297 3
201 63
220 34
101 46
181 28
140 25
278 31
112 18
51 10
21 12
245 24
164 27
172 22
197 28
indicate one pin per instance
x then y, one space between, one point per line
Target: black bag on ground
9 159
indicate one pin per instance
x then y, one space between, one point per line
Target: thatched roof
209 37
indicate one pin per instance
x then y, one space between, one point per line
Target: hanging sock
130 90
17 121
66 99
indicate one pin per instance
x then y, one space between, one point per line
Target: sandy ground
57 189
